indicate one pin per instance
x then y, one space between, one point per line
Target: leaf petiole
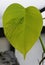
42 43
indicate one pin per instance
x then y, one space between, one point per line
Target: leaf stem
42 44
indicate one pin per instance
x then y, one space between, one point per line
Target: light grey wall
4 44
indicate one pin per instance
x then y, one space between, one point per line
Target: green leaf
22 26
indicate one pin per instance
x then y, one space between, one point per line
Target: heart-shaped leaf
22 26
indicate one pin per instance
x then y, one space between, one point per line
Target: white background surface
4 45
35 54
